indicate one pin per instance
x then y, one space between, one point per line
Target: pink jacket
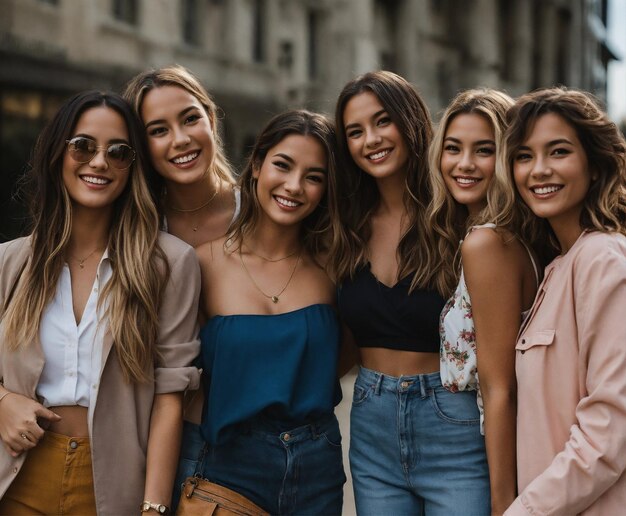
571 376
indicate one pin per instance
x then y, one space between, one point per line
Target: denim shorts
284 470
416 448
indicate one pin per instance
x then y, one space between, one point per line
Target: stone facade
257 57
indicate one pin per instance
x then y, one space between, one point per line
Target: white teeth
545 189
379 155
466 180
95 180
185 159
286 202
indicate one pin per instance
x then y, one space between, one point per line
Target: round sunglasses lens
120 155
82 149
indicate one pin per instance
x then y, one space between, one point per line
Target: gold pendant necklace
81 262
275 297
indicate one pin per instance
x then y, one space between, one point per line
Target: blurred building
258 57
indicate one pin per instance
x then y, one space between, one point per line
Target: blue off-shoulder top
282 366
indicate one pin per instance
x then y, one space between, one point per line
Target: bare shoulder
487 243
210 253
490 247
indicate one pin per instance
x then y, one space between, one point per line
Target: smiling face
468 160
374 141
180 138
96 184
552 174
291 181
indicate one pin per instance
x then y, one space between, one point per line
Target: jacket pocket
538 338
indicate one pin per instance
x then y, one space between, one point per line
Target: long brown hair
317 227
359 195
604 208
447 219
139 267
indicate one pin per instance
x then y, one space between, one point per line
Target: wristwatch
158 507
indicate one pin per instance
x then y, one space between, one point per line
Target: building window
190 19
313 28
125 11
563 31
506 26
258 39
285 56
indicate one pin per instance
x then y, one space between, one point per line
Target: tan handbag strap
215 499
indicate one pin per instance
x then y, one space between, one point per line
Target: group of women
496 244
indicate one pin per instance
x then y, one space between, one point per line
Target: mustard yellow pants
56 478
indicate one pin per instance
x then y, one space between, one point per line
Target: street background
259 57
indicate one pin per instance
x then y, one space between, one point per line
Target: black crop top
389 317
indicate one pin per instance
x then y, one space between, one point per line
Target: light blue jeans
416 448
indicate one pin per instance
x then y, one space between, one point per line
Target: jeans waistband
294 431
411 383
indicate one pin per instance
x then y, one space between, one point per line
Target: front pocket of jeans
459 408
333 437
360 394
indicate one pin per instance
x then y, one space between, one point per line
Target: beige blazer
120 417
571 376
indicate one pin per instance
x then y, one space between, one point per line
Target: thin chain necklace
81 262
272 260
195 224
275 297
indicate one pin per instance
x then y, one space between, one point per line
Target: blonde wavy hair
179 76
139 266
447 219
604 208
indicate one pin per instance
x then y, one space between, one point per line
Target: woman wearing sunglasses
97 333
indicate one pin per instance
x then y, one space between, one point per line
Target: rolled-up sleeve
178 341
594 457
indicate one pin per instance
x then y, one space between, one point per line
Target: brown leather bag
203 498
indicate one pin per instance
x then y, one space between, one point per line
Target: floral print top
458 367
457 354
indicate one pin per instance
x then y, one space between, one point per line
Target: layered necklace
274 297
196 223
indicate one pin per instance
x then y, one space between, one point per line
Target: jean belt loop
315 429
379 382
423 386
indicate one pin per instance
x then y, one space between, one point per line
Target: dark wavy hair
359 195
319 225
604 208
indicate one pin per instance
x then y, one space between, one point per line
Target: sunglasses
118 155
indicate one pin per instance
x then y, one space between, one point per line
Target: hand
19 430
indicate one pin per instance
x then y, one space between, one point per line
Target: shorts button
73 445
286 437
404 385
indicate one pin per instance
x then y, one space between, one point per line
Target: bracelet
148 506
5 395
